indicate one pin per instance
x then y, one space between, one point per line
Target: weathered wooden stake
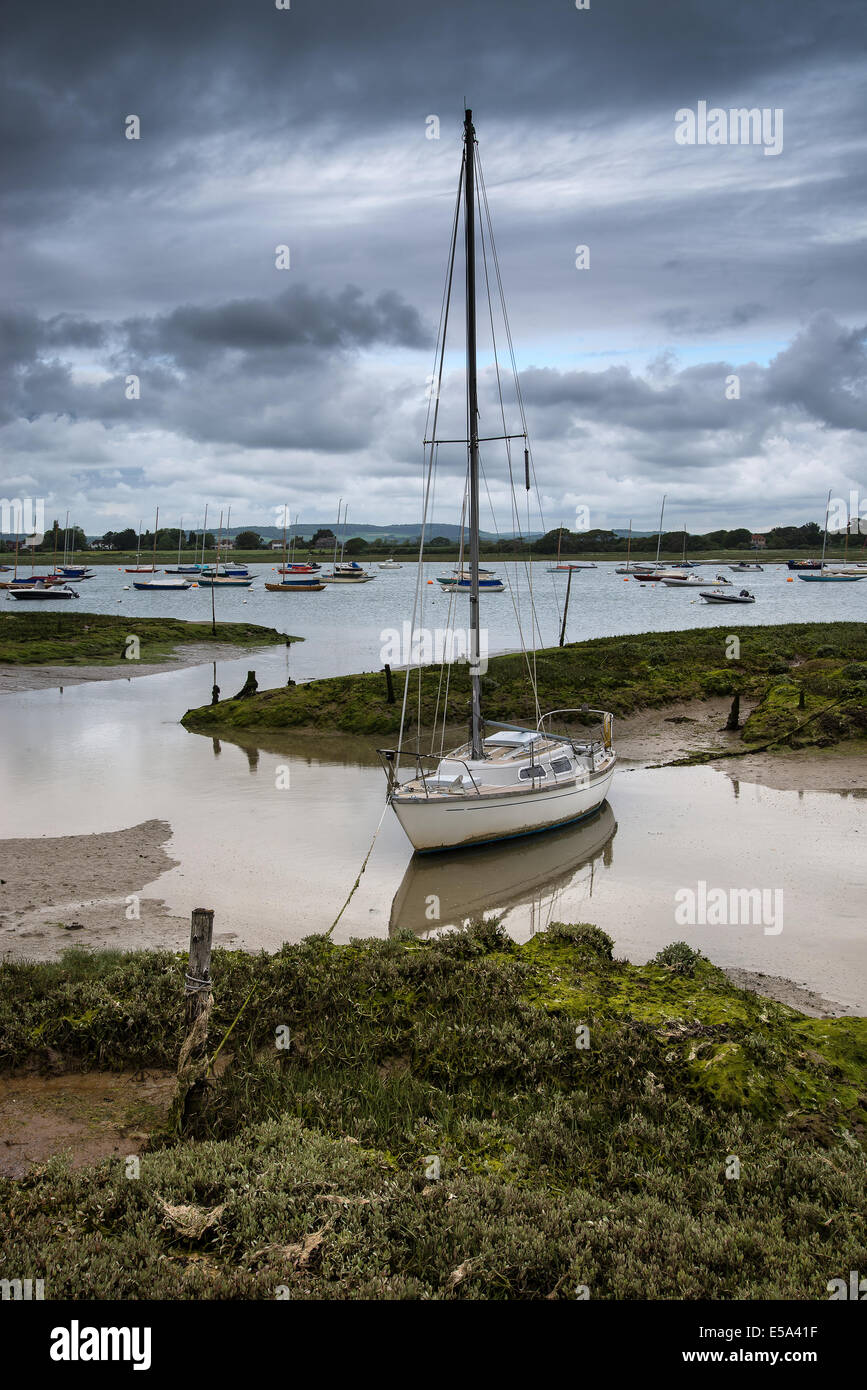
198 984
733 721
193 1061
389 685
565 609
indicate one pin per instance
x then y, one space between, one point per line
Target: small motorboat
347 572
41 590
714 596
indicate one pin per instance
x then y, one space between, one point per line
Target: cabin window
561 765
534 770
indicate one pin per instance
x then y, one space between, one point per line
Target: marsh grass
98 639
623 674
559 1164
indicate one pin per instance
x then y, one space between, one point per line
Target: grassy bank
622 674
94 639
565 1159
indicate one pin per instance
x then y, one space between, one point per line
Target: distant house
758 542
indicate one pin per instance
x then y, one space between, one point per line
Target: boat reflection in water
451 888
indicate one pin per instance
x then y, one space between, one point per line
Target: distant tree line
598 541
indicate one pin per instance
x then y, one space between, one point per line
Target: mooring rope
360 872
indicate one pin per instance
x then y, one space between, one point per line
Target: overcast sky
308 127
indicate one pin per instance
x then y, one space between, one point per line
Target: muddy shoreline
15 679
88 890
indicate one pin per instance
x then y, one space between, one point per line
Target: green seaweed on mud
623 674
564 1156
99 639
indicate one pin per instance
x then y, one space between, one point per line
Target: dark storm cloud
297 318
73 72
824 374
156 256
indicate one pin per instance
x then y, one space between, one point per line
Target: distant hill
368 532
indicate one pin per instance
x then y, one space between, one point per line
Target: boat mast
825 537
659 532
334 556
476 744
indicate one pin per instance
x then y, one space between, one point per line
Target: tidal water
346 627
277 861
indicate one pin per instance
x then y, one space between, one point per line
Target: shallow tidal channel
272 834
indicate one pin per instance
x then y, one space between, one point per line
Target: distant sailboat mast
825 537
659 532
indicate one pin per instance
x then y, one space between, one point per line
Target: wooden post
193 1061
389 685
565 609
198 983
733 721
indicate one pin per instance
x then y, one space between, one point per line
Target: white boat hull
439 822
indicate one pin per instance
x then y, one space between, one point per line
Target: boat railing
601 716
390 758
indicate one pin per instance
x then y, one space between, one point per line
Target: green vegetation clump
819 703
463 1117
623 674
679 958
99 639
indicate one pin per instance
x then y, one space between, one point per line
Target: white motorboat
41 590
515 781
717 596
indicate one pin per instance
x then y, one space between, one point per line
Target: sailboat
345 571
299 582
823 576
627 568
568 564
164 582
515 781
647 572
138 567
